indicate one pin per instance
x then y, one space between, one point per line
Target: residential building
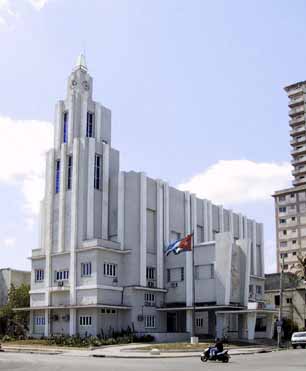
101 266
9 277
290 203
294 297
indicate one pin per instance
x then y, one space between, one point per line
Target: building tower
290 204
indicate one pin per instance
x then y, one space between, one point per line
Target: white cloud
38 4
239 181
23 144
9 242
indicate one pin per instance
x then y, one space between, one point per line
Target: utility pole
280 312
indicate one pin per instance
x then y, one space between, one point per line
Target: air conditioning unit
140 317
150 283
173 284
60 283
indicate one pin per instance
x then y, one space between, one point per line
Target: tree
14 323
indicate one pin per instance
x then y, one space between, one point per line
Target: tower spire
81 63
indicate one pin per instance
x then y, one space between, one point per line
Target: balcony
296 101
298 140
296 111
297 120
299 161
298 90
298 151
297 172
298 131
298 182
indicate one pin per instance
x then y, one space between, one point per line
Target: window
150 273
294 253
282 221
284 232
110 270
285 255
108 311
204 272
277 300
39 275
62 275
282 209
65 127
168 275
285 266
200 233
293 218
149 298
57 175
292 195
281 198
97 178
85 320
69 173
289 300
258 290
39 321
199 322
149 321
182 274
90 125
85 269
283 244
251 290
293 242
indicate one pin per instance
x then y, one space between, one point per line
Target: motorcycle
221 356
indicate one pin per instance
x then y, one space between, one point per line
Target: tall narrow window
65 127
97 179
90 125
57 175
69 173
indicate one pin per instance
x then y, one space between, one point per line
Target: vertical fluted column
71 118
90 188
58 124
121 209
159 234
105 190
221 218
143 229
62 199
254 243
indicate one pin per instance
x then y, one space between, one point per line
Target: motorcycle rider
217 348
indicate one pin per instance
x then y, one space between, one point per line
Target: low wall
168 337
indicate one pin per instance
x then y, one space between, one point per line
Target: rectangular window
85 320
85 269
204 272
39 275
282 209
277 300
285 266
90 125
258 290
39 321
69 173
285 232
282 221
182 274
150 273
294 253
293 242
168 275
149 321
62 275
251 290
110 270
149 299
199 322
65 127
281 198
97 178
57 175
285 255
283 244
289 300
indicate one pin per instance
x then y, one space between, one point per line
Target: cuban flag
178 246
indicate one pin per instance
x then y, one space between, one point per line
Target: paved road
280 361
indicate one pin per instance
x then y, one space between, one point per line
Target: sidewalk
123 351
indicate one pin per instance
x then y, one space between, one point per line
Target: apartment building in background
290 203
101 267
9 277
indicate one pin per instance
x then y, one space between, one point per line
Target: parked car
298 339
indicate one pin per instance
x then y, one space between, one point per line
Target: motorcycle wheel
203 359
225 360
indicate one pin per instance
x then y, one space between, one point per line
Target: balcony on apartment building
299 150
297 120
296 111
297 91
296 101
301 181
298 140
300 171
299 161
298 130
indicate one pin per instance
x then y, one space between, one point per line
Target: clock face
74 83
85 85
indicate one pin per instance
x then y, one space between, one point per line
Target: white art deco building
100 265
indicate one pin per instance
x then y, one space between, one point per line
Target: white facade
103 234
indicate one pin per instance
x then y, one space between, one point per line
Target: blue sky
195 88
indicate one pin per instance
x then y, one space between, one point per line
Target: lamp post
280 312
